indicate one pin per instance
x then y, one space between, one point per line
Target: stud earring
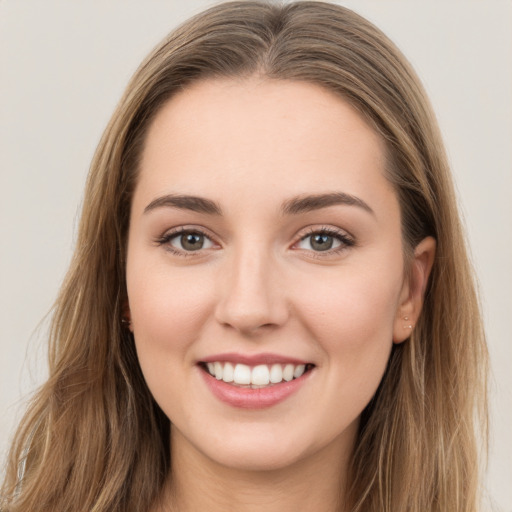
126 322
406 318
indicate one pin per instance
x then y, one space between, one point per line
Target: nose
251 297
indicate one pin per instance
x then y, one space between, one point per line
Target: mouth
255 376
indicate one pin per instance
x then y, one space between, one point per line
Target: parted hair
93 438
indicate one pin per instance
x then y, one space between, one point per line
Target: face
265 270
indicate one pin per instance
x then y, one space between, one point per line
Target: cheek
167 307
351 308
351 321
351 317
168 310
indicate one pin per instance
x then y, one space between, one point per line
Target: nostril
249 325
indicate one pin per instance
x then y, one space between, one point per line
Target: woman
270 301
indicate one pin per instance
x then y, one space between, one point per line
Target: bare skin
197 485
263 223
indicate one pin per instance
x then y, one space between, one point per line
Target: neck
311 484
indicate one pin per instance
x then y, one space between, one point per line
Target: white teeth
228 374
299 370
276 373
242 374
258 376
288 372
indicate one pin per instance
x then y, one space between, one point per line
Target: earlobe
413 291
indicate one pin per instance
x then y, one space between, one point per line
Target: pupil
321 242
192 241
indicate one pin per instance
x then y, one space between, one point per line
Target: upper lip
253 359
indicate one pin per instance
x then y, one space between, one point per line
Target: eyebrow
184 202
294 206
303 204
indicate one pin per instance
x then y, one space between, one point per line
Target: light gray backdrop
63 66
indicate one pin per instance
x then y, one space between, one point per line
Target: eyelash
345 240
167 237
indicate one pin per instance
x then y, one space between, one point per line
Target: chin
269 446
258 456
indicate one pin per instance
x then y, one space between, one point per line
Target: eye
186 241
324 240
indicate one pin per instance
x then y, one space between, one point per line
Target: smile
255 381
255 377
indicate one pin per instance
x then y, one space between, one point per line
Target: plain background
63 67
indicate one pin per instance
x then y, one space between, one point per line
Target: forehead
262 137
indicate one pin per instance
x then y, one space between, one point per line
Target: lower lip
248 398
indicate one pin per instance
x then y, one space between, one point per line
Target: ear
413 290
127 315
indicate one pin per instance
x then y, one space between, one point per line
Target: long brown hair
94 439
